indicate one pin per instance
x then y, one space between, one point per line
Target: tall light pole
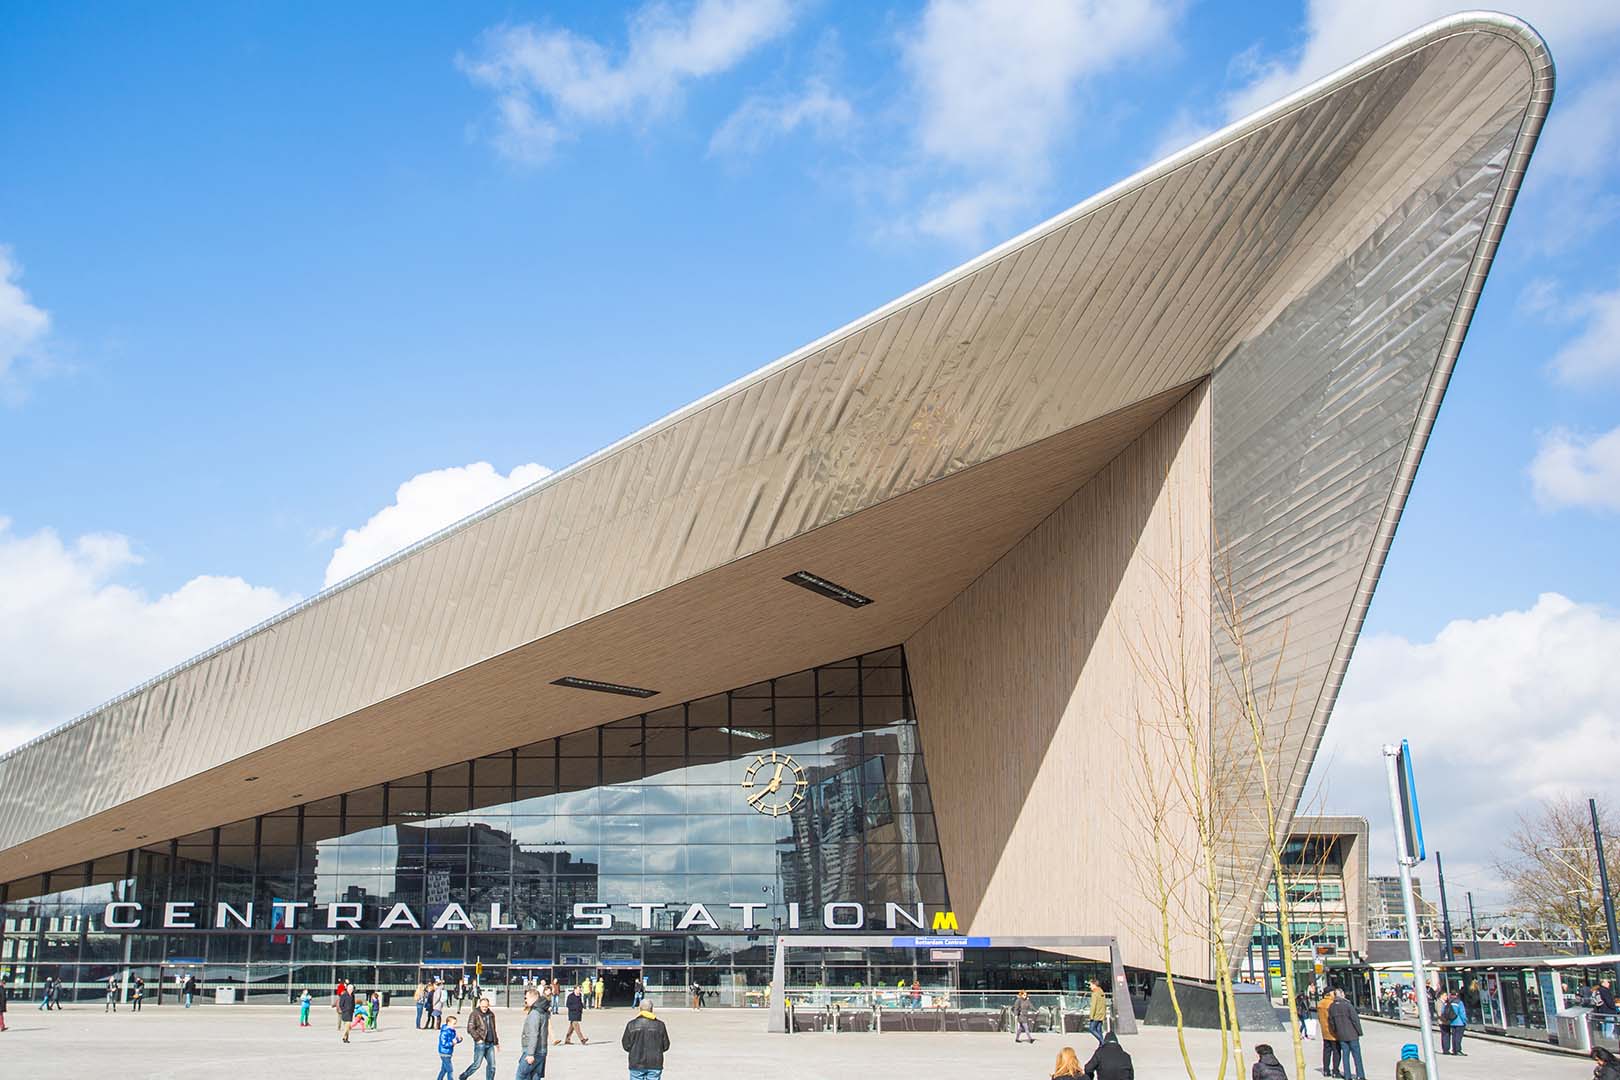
1473 923
1603 881
1445 909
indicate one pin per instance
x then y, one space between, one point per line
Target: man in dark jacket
3 994
1110 1062
345 1009
1268 1067
481 1029
646 1040
1347 1029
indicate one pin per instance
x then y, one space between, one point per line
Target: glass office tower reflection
648 810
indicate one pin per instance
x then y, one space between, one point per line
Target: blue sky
263 265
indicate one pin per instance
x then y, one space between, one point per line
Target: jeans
1096 1029
446 1072
1451 1037
1330 1056
537 1071
1352 1049
646 1074
421 1007
188 999
484 1052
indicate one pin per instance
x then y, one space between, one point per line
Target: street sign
1411 820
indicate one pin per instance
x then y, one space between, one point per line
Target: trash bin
225 995
387 998
1573 1030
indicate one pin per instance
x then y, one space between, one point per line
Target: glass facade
634 848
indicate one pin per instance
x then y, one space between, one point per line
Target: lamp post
1445 910
1473 923
1603 880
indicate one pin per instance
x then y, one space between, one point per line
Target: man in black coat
1346 1023
345 1009
646 1040
1110 1062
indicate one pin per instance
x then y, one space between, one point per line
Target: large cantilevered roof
1318 262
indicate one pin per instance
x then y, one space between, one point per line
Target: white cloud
23 325
1593 354
819 109
73 635
1339 31
1500 711
551 82
1571 471
423 505
997 83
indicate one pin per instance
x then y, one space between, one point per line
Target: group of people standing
645 1038
356 1010
1340 1024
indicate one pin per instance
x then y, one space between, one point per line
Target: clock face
774 783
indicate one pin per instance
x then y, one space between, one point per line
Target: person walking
1266 1065
576 1013
1302 1009
45 994
638 993
345 1008
3 995
1330 1042
449 1037
112 994
136 994
1097 1011
190 989
1110 1062
533 1043
56 996
1347 1029
646 1041
481 1029
304 1002
601 990
1023 1013
1453 1022
373 1008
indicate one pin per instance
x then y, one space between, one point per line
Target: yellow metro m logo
945 920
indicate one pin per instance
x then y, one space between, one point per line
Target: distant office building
1326 886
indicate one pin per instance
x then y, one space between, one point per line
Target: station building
886 634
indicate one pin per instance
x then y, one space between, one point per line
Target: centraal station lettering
286 915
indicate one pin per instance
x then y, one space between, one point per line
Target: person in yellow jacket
1330 1045
600 989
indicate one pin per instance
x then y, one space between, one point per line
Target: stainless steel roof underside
1319 259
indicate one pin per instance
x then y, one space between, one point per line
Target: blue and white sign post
1409 851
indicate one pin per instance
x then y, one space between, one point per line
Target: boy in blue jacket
448 1038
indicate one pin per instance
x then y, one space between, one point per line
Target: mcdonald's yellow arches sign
945 920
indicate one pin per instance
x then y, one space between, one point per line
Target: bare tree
1550 868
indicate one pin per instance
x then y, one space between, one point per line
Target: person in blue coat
448 1038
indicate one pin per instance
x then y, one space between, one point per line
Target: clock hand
777 779
760 794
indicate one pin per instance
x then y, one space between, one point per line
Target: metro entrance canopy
918 558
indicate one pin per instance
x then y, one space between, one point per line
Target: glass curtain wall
651 809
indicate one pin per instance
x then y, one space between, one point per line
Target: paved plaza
258 1043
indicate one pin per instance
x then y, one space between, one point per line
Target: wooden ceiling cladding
730 627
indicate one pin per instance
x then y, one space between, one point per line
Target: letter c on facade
110 919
